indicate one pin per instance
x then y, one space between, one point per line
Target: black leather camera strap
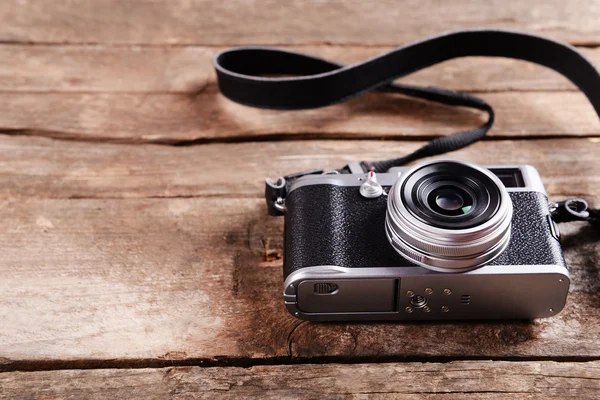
246 76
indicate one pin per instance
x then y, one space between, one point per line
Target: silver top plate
531 178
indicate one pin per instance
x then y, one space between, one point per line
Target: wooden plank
47 168
104 282
272 22
104 68
171 118
457 380
131 279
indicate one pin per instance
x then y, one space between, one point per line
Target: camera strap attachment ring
574 210
275 195
275 192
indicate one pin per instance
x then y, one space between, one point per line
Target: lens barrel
449 216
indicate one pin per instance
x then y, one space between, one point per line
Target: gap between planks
209 116
141 45
240 139
249 362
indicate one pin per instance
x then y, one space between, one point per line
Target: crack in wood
283 45
247 362
275 137
290 339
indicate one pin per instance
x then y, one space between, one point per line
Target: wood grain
134 281
457 380
47 168
273 22
173 118
132 258
102 68
143 281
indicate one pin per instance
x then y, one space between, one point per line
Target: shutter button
371 189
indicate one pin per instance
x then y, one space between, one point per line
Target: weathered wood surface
46 168
111 282
457 380
168 94
118 280
104 68
176 118
141 255
273 22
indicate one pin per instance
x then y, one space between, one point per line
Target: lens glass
450 201
451 196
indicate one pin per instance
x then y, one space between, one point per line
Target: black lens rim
485 193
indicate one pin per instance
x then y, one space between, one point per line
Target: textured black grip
334 225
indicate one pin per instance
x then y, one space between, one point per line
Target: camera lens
449 216
450 201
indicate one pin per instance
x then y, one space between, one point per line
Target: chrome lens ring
449 240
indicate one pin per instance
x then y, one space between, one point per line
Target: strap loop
319 82
574 210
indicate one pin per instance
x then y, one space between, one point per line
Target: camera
442 240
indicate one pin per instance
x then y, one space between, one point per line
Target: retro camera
443 240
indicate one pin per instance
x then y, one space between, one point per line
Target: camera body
350 256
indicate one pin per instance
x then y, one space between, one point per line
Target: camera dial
448 216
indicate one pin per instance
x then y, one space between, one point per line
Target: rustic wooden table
136 256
